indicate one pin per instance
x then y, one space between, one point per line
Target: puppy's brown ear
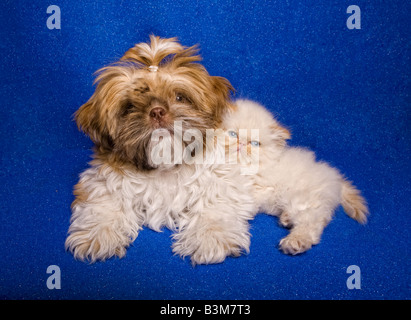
100 117
89 121
222 86
223 89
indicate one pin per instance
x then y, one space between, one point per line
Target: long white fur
208 207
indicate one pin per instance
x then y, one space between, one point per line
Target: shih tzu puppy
148 118
289 182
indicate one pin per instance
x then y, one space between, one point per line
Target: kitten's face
244 143
253 135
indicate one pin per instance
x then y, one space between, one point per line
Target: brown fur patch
80 193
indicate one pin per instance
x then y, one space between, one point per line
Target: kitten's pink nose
157 113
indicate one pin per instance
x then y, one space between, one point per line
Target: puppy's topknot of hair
160 51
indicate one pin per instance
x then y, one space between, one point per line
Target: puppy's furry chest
165 198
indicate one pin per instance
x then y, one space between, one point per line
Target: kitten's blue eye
255 143
232 134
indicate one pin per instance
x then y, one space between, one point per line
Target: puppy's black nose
157 113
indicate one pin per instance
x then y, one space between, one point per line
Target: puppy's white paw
295 244
95 245
215 251
211 247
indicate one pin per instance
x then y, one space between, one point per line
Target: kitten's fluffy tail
353 203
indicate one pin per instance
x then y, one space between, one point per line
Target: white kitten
289 183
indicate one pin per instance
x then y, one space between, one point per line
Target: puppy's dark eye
129 108
181 98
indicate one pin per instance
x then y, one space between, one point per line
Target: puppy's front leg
102 224
212 235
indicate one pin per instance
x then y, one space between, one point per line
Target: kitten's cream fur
290 183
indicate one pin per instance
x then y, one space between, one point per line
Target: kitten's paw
295 244
285 220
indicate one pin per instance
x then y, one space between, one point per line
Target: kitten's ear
280 134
